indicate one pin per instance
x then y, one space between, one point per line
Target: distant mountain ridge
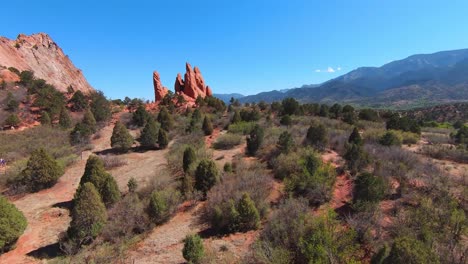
428 78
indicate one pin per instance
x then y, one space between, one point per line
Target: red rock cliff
40 54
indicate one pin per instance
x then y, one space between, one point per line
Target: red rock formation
159 90
179 84
193 84
8 76
40 54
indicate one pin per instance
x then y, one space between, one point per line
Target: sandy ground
165 243
45 220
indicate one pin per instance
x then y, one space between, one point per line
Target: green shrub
461 137
406 250
248 216
250 115
12 120
189 158
89 121
193 250
88 215
149 134
45 119
11 103
162 204
286 120
163 139
243 128
356 157
390 139
227 167
355 137
64 118
78 101
369 115
100 107
317 136
290 106
121 138
165 119
368 188
42 171
227 141
255 140
285 142
207 126
103 182
206 176
236 118
12 224
132 185
140 116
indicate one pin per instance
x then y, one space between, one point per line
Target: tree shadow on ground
47 252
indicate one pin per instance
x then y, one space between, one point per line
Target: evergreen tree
41 171
324 110
140 116
193 250
290 106
78 101
461 137
100 107
11 103
88 215
356 157
158 207
12 120
121 138
189 158
89 122
12 224
390 139
104 183
286 120
197 115
45 119
149 134
64 118
255 139
132 185
165 119
355 137
369 188
285 142
336 111
249 218
406 250
207 126
163 139
236 118
206 176
317 135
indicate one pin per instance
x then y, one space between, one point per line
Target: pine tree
158 207
249 218
206 176
88 215
189 158
355 137
12 120
197 115
163 139
104 183
317 135
390 138
121 138
193 250
236 118
255 140
64 118
41 171
78 101
149 134
285 142
45 119
165 119
89 122
207 126
100 107
140 116
12 224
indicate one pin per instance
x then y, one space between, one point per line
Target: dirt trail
45 219
342 190
165 243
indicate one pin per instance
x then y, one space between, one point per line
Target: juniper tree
12 223
121 138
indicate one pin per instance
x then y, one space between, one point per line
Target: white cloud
338 69
330 69
317 70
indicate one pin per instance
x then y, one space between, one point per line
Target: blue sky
240 46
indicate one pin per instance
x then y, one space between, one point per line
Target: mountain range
423 79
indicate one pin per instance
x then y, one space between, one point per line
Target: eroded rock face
8 76
159 90
193 83
40 54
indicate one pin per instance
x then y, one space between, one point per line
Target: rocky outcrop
192 86
159 90
40 54
8 76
